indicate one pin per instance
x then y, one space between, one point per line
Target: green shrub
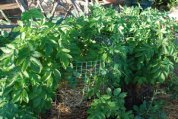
31 64
136 49
110 105
11 110
139 42
147 42
151 45
150 110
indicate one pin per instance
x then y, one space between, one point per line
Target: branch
76 7
41 7
22 5
4 16
86 6
68 11
54 9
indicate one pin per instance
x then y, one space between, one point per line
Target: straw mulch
171 108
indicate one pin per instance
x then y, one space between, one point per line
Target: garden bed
38 68
171 108
61 111
68 104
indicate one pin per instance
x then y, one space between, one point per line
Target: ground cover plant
137 49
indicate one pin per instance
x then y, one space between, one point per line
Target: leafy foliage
172 85
155 51
11 110
150 110
32 64
147 44
110 105
136 48
32 14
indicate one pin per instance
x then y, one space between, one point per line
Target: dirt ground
65 111
171 108
69 104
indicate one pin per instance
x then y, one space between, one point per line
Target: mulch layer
171 108
62 110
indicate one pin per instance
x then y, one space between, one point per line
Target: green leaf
109 91
50 82
64 60
12 81
106 97
57 74
122 95
117 91
25 96
112 104
104 56
48 50
23 35
32 14
6 50
16 96
25 64
37 102
25 73
69 56
46 76
65 50
37 63
163 77
4 33
37 54
102 115
10 46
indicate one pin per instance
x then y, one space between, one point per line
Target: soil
61 110
171 106
79 112
64 112
172 109
69 104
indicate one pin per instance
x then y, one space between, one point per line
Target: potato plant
31 64
150 40
146 40
137 48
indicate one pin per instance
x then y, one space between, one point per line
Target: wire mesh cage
71 98
87 68
80 73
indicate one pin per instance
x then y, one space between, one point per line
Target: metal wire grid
87 68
